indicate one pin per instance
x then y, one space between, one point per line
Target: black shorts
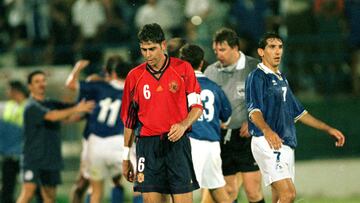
236 154
50 178
163 166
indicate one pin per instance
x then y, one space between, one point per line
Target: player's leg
10 170
285 190
78 189
96 166
151 197
82 182
220 195
231 150
277 168
252 186
274 195
48 194
137 197
97 190
231 186
49 180
181 175
27 192
207 165
185 197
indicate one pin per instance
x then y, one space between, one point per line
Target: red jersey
158 103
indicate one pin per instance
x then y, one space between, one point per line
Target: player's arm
177 130
271 137
73 79
57 115
311 121
194 103
128 170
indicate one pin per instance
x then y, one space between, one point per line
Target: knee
288 196
253 195
232 191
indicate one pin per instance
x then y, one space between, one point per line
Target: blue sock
87 197
137 199
117 194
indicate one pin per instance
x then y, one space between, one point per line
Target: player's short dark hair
18 86
117 63
151 33
268 35
33 73
192 54
227 35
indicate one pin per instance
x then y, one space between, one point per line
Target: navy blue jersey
42 140
216 107
105 119
270 93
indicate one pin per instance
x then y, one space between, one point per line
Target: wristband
126 154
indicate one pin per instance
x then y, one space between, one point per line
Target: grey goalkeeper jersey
232 80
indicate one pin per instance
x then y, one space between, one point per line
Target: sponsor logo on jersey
159 88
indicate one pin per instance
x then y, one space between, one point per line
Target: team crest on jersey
173 86
140 177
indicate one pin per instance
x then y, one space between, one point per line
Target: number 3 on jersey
208 99
109 109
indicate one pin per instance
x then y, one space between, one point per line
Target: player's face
271 55
38 84
153 53
225 54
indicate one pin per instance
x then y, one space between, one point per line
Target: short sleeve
254 92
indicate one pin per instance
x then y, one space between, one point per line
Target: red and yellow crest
140 177
173 86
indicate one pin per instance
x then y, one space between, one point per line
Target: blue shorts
41 177
164 166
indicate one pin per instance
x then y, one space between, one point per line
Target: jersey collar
267 70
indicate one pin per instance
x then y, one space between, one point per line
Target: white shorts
207 163
274 165
104 156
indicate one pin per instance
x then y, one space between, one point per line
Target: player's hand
337 134
176 132
223 126
81 64
85 106
273 139
128 170
244 130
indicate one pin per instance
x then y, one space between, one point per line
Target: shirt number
109 109
146 91
207 98
284 90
